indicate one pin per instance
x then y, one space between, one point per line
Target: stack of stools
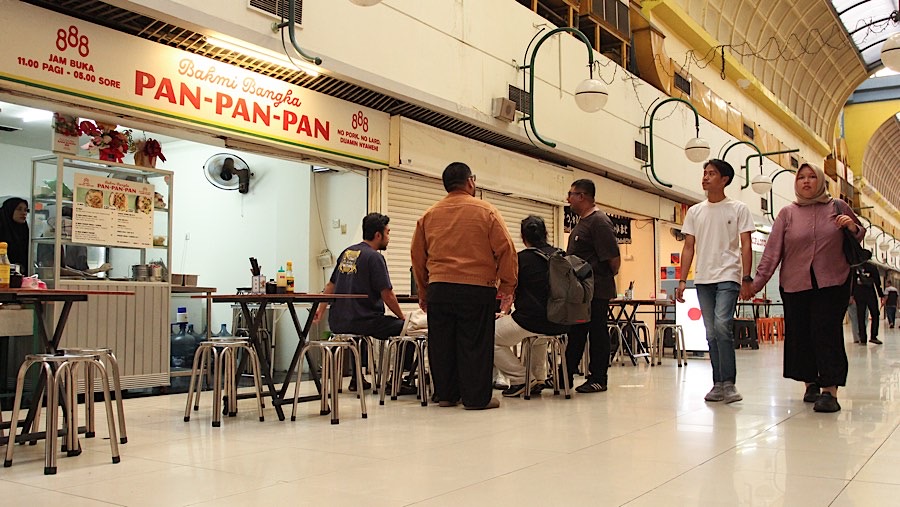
220 356
58 372
658 347
396 352
557 346
332 374
112 365
770 327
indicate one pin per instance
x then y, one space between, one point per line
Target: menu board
112 212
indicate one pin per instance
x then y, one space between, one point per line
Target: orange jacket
461 239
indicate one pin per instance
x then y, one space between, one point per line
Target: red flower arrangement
146 151
65 125
111 144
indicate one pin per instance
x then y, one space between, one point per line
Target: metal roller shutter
408 197
514 209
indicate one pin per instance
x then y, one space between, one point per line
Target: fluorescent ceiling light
270 57
30 115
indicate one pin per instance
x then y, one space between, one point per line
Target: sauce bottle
289 278
4 267
280 281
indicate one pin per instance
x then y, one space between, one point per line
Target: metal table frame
38 299
622 305
254 320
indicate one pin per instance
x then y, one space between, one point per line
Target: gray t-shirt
594 240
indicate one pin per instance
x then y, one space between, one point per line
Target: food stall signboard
112 212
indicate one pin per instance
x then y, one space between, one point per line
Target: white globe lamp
697 149
591 95
890 52
761 184
365 3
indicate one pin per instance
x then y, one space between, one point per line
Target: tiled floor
650 440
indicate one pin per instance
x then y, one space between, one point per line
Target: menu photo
112 212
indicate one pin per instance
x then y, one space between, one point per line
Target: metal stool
358 340
106 355
611 328
54 369
557 352
332 374
224 364
396 351
658 346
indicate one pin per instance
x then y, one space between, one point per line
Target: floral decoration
65 125
146 151
105 139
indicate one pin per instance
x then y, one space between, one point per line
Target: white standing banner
81 60
112 212
690 318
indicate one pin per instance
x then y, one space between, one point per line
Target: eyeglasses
570 194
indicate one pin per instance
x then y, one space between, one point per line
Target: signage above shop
621 225
97 66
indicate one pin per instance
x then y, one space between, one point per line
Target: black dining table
624 312
255 319
49 338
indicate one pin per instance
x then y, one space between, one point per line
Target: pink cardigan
805 236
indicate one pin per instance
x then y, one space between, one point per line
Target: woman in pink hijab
807 241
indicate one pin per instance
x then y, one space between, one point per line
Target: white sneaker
730 393
717 393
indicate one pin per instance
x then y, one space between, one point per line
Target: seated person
530 315
361 269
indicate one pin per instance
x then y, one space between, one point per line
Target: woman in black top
529 317
14 231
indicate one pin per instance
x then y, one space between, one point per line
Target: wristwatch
747 278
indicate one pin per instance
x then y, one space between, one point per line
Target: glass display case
103 226
99 221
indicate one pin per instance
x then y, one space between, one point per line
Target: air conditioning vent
795 162
641 152
748 132
521 98
278 8
764 204
683 83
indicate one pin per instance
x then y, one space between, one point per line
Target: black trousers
597 331
380 327
461 342
866 298
814 335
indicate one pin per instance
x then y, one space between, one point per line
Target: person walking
807 241
463 259
594 240
866 290
718 230
889 302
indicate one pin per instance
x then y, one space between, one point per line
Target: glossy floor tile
650 440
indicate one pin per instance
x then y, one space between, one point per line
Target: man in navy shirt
361 269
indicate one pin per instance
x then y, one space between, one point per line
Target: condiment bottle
281 281
4 267
289 278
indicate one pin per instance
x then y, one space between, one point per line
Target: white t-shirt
717 229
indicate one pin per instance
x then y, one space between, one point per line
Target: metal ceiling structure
869 23
799 49
881 159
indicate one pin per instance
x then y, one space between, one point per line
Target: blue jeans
717 304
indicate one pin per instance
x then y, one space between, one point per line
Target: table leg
302 333
263 360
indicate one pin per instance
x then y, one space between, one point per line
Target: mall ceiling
881 158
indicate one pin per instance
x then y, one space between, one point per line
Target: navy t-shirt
532 293
594 240
359 270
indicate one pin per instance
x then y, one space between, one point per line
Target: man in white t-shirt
719 229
